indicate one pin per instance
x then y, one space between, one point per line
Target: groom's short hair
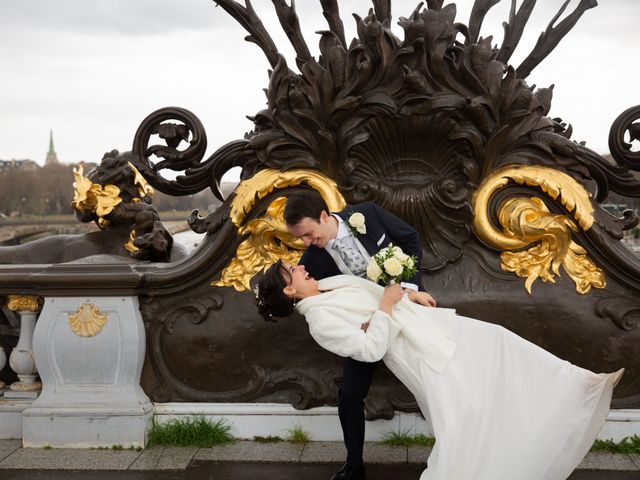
304 204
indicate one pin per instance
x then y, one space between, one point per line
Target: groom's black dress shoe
347 472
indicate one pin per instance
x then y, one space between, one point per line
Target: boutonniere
356 224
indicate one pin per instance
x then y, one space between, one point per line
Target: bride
500 407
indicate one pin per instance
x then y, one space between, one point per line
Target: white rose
399 254
408 262
373 270
356 220
392 266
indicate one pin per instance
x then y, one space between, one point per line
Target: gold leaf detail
537 241
92 197
530 220
268 238
268 180
144 189
129 245
87 321
81 188
27 303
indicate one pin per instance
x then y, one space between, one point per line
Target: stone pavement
263 457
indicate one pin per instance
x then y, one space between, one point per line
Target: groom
341 243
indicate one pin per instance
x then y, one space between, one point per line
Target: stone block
7 447
249 451
378 453
148 459
11 418
607 461
324 452
89 353
69 459
176 458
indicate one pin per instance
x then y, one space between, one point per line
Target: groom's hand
422 298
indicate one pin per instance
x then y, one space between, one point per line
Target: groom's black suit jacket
382 228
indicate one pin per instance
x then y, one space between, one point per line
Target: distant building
52 157
24 165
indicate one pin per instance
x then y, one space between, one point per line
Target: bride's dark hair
270 298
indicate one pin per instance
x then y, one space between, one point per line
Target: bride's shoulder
336 281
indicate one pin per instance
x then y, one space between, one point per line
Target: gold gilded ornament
25 303
537 241
82 198
129 245
92 197
87 321
268 238
101 200
268 180
144 189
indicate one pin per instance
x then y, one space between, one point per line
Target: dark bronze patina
414 125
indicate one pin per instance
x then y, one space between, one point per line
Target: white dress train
501 407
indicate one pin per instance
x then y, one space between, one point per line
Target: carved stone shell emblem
87 321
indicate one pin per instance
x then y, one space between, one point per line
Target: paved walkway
301 456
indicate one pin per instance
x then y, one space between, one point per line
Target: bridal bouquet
391 265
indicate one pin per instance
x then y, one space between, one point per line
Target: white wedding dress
501 407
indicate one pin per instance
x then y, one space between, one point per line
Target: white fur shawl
336 315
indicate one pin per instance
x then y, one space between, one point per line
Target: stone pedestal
89 353
21 360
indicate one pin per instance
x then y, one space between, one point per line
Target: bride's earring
294 302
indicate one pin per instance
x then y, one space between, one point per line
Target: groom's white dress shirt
345 236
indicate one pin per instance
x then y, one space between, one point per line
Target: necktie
351 257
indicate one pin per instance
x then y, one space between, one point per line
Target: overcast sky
91 70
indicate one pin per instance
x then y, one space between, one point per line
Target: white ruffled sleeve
332 332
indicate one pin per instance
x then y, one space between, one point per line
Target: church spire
52 158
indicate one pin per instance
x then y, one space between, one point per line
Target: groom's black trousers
356 380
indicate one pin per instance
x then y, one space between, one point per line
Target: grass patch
626 445
404 439
297 434
190 432
424 441
267 439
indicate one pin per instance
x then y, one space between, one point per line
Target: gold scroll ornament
536 241
268 239
88 321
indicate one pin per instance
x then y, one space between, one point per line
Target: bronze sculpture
436 128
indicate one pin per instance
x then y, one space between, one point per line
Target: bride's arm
333 332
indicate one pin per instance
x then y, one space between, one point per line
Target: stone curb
12 456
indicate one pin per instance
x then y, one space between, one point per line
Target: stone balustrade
21 359
89 353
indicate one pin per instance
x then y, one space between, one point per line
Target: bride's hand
392 295
423 298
